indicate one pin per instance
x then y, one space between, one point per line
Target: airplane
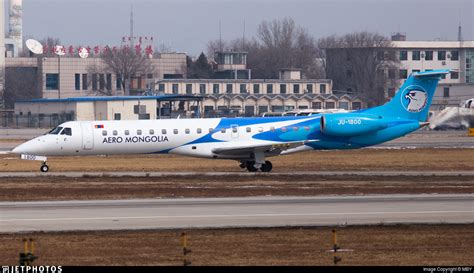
247 140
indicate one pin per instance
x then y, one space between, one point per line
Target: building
457 56
68 77
234 93
52 112
256 96
416 56
232 65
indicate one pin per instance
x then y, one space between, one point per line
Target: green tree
199 69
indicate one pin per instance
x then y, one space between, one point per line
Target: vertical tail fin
413 99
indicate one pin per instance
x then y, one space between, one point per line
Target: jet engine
351 124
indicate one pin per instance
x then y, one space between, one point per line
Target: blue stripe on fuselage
226 123
290 134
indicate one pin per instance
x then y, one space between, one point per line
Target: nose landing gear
44 167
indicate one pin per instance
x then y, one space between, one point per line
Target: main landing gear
257 162
253 167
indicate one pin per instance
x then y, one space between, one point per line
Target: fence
11 120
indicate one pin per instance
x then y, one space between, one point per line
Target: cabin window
187 131
234 129
198 130
248 129
104 133
223 130
272 128
139 132
152 132
127 132
211 130
163 131
67 131
115 132
283 129
175 131
295 128
306 128
260 129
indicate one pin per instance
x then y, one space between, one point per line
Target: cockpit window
55 131
67 131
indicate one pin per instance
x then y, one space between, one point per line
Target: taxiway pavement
234 212
236 173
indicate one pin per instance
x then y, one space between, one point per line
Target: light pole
59 77
60 51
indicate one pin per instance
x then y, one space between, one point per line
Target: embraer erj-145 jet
247 140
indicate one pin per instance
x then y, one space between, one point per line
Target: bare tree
287 45
49 44
163 48
215 46
97 80
278 44
358 62
125 64
20 84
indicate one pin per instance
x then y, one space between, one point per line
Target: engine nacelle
349 124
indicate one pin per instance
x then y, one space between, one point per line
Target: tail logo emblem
414 100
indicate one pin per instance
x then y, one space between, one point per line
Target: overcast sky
187 25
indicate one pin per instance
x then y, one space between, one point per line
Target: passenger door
87 136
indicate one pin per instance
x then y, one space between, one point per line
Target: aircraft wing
266 148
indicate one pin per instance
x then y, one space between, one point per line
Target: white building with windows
253 97
457 56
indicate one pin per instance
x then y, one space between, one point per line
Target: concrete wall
44 108
290 75
170 63
126 109
100 110
85 111
89 110
458 93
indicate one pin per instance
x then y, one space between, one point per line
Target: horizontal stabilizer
432 73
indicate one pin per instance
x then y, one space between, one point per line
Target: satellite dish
34 46
83 53
59 50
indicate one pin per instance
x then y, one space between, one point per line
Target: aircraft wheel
266 167
251 167
44 168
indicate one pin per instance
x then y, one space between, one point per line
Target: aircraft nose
20 149
25 148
